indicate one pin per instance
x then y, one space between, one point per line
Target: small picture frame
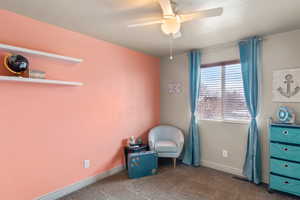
174 88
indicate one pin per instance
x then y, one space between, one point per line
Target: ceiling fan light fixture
168 16
172 19
170 26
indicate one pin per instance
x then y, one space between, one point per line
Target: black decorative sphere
16 64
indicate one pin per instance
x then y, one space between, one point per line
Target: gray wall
280 51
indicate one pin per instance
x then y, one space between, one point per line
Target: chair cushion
165 146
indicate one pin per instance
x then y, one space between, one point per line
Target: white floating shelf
14 49
35 80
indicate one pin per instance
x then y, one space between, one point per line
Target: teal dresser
284 158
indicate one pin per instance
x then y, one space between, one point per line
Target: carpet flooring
181 183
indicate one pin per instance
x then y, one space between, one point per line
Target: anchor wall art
286 85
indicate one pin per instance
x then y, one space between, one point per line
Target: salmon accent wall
47 130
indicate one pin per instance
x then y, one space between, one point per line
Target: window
221 92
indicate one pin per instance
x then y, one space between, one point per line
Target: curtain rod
225 45
247 40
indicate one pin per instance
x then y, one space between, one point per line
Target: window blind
210 101
221 93
234 105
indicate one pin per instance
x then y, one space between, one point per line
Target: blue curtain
192 147
250 58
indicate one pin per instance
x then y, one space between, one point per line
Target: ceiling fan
172 19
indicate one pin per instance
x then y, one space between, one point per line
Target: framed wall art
174 88
286 85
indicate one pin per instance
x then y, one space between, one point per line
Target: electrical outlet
86 164
224 153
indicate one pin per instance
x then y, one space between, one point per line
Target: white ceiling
108 20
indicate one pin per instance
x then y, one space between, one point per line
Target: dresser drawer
285 184
287 152
285 168
282 134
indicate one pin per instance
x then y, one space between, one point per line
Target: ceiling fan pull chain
171 47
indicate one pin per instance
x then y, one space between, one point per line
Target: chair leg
174 162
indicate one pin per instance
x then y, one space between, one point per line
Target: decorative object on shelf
16 64
15 49
174 88
139 141
132 141
36 74
286 85
286 115
27 76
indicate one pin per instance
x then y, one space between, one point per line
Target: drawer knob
285 132
285 149
286 165
286 182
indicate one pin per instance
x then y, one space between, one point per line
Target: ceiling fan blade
176 35
166 7
201 14
146 23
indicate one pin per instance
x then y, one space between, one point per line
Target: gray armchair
166 141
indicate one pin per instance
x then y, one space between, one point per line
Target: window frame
223 64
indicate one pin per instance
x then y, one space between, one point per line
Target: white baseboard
227 169
80 184
224 168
